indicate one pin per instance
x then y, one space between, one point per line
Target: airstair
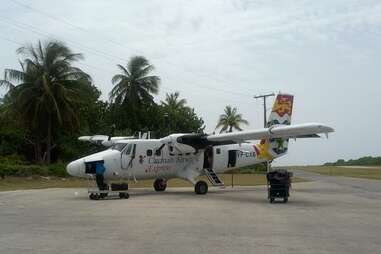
213 177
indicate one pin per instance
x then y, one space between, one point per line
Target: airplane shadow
221 195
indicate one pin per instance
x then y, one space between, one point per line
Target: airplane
189 155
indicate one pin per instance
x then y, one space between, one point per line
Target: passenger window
129 148
149 152
218 150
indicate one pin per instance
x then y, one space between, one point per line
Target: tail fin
282 110
281 113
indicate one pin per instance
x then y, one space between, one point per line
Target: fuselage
149 159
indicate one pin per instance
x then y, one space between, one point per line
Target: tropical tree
47 93
230 120
173 107
178 117
173 103
132 91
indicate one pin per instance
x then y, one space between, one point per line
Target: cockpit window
129 148
118 146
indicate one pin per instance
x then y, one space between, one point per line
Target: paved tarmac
326 215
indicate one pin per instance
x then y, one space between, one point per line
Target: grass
356 172
37 182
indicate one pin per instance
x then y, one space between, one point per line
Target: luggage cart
95 193
278 185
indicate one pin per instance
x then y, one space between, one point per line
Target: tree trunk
49 141
37 152
231 128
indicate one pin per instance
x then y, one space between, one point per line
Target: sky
326 53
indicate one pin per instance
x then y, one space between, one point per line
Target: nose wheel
201 188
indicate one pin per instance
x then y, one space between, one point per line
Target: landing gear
201 188
124 195
160 184
94 196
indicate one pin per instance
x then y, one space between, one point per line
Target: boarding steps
213 177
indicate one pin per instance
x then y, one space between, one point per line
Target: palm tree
173 108
231 119
173 103
48 92
134 85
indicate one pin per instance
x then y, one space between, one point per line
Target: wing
276 131
103 139
200 141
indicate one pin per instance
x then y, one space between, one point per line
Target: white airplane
188 156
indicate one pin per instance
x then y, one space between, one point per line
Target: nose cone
76 168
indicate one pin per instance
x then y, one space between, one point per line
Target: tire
201 188
126 195
285 200
121 195
91 196
271 200
160 184
96 197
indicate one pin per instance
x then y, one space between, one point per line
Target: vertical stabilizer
281 113
282 110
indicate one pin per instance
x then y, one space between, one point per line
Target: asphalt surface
326 215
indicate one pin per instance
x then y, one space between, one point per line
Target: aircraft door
128 156
208 157
232 158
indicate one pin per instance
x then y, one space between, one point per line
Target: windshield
118 147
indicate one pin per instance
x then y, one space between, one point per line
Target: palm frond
7 84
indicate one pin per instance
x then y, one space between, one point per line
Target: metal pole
264 96
264 112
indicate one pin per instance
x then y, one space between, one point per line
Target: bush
29 170
13 159
252 169
363 161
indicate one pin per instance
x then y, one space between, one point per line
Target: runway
325 215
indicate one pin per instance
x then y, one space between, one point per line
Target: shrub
29 170
253 169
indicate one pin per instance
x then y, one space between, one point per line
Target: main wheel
160 184
285 200
124 195
201 187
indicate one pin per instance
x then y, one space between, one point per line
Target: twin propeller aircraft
188 156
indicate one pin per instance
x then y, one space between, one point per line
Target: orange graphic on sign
283 105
